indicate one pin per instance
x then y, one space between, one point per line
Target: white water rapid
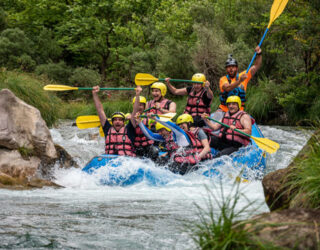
86 214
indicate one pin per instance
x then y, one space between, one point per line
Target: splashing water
86 214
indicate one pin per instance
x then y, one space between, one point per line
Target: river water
86 214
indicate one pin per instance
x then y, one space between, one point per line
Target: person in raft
119 137
235 83
159 104
228 140
143 146
199 97
182 147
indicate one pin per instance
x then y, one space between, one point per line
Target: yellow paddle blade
52 87
101 131
143 79
88 121
276 9
266 144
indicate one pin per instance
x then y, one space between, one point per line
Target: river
86 214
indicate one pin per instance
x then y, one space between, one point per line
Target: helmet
199 77
142 100
184 118
234 98
231 61
118 114
160 126
127 115
161 86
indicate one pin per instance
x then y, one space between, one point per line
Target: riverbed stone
289 228
28 155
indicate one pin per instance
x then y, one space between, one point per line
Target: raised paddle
167 115
276 10
88 121
144 79
52 87
263 143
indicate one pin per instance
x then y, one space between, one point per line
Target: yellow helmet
142 100
234 98
160 126
199 77
161 86
127 115
118 114
184 118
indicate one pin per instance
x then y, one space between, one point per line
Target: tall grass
30 90
223 231
304 178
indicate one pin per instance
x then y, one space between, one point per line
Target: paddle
144 79
167 115
263 143
52 87
88 121
276 10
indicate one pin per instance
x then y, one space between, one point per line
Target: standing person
234 83
119 137
228 140
160 104
199 97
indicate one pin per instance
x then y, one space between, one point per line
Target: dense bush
59 72
82 77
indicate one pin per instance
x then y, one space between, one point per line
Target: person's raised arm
258 62
208 89
136 106
98 104
174 90
229 87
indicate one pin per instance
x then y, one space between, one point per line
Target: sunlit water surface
86 214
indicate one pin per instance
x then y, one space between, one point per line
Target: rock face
289 228
27 151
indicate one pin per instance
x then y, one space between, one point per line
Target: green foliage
262 99
15 49
221 230
82 77
3 20
30 90
300 97
304 178
59 72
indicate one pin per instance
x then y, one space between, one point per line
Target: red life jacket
141 140
171 145
195 105
164 104
119 143
233 135
189 156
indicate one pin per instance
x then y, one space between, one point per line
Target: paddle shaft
83 88
179 80
223 124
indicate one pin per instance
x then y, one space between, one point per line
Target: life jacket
164 104
189 155
238 91
231 135
119 143
141 140
195 105
171 145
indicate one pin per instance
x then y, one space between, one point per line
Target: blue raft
248 163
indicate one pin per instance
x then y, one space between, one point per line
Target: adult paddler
228 140
199 97
119 137
234 83
159 103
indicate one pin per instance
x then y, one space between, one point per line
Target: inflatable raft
248 163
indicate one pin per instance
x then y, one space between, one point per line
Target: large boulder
27 152
289 228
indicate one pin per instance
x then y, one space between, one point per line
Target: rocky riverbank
292 223
27 152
